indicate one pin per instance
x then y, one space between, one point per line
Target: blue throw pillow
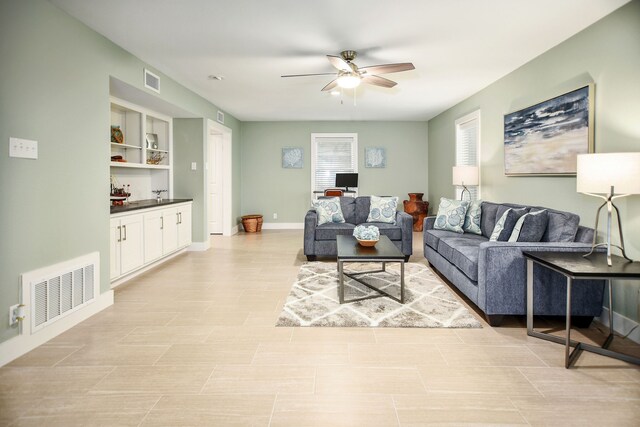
530 227
472 218
328 210
506 223
451 215
383 209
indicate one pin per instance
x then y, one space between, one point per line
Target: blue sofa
320 240
493 274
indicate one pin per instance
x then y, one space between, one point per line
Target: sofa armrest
405 222
427 224
502 278
310 224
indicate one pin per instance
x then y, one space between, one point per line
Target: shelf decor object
608 176
116 135
152 140
417 208
465 176
545 139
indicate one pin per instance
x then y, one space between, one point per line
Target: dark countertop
145 204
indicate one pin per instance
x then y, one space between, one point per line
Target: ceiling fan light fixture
348 81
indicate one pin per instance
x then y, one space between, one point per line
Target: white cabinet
184 225
126 245
146 236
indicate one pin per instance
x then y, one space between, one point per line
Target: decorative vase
417 208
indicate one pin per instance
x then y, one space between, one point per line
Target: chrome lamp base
608 202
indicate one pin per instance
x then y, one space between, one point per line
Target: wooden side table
574 265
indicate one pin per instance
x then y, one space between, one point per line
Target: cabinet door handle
161 223
119 234
177 218
180 217
124 227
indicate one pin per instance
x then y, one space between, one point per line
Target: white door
215 183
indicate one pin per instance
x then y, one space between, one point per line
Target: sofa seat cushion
330 230
432 237
392 231
463 253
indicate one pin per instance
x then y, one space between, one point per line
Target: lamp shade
596 173
465 175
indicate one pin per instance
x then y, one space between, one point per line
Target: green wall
55 89
189 138
607 54
267 188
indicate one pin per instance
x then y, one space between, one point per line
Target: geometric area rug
313 300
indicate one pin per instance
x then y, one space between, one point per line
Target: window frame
475 115
314 152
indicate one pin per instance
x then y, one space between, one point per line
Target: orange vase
417 208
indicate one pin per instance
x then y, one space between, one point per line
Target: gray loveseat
320 240
493 274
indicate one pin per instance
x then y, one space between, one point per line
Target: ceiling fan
350 76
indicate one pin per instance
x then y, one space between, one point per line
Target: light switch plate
193 166
23 148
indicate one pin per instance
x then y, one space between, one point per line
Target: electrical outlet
275 216
23 148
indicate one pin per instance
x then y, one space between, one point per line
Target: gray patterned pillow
506 223
383 209
328 210
530 227
451 214
472 218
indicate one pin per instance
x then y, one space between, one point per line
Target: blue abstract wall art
545 139
375 157
292 157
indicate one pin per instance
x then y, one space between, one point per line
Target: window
468 148
332 153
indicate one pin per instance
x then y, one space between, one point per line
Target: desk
574 266
345 192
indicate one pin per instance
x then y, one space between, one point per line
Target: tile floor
192 342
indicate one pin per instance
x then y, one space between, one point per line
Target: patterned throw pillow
506 223
383 209
328 210
530 227
451 215
472 218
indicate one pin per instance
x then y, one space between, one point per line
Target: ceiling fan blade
387 68
339 63
330 86
378 81
305 75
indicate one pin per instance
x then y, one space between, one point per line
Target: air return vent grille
151 81
60 290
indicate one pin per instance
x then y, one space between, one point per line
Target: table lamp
465 175
608 176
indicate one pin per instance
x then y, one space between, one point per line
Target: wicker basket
252 223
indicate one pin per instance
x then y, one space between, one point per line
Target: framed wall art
292 157
545 139
375 157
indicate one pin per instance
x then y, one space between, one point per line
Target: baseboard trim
235 230
621 324
199 246
21 344
119 281
283 226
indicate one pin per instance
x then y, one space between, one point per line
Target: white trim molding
15 347
283 226
199 246
621 324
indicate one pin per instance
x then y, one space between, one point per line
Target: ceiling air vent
151 81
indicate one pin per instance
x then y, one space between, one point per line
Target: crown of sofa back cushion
348 205
488 218
562 226
363 204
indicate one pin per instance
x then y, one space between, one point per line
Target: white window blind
331 154
468 147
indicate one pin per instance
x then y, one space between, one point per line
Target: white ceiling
458 47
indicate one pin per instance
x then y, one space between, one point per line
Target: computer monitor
346 180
